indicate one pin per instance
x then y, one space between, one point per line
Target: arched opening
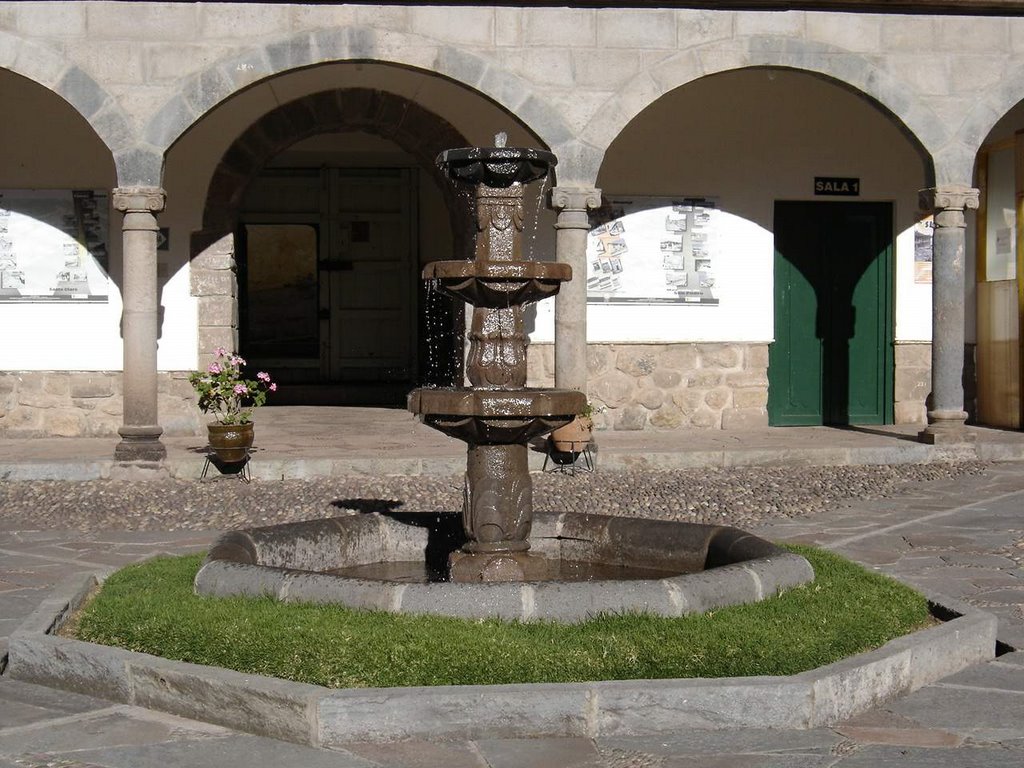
801 203
330 197
60 269
317 215
999 277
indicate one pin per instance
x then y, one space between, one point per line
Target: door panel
373 288
831 362
795 359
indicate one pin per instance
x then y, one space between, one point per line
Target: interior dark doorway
832 359
331 300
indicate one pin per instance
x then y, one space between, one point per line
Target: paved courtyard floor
960 536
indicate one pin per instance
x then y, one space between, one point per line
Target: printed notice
653 251
53 246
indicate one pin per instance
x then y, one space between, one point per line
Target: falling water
531 240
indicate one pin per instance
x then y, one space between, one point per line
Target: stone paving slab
978 713
924 757
229 751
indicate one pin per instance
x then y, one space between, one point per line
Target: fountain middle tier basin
703 567
495 416
497 284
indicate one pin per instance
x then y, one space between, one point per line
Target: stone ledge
317 716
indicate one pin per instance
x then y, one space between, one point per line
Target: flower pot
231 442
574 437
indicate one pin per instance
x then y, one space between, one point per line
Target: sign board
53 245
837 186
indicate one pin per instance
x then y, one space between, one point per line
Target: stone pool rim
323 717
287 562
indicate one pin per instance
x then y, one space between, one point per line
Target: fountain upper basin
496 167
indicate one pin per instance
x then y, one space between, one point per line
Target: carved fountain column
497 415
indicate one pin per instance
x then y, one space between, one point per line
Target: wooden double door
832 358
329 279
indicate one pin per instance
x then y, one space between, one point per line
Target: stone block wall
669 386
705 386
86 404
213 282
912 382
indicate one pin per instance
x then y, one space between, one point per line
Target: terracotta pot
574 437
231 442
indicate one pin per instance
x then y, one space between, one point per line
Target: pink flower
220 351
236 360
241 389
273 387
214 368
263 376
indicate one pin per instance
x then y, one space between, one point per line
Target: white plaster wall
913 300
47 145
748 138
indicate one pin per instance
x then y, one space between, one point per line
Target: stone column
571 230
946 416
140 432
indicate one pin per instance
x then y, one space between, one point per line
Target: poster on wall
653 251
53 246
923 250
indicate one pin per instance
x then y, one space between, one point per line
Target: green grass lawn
151 607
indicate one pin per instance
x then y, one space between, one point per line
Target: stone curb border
306 468
316 716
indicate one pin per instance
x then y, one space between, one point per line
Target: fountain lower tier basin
498 284
495 416
708 566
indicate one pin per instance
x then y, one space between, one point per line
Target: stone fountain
497 414
505 561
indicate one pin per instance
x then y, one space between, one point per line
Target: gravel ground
728 496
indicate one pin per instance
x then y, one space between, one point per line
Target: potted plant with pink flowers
231 398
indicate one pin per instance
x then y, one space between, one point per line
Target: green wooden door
831 362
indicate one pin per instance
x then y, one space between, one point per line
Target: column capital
575 198
572 204
949 203
139 199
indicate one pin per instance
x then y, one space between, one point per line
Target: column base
140 443
946 429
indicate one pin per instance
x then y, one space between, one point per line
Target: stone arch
51 70
200 92
419 132
990 108
847 69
